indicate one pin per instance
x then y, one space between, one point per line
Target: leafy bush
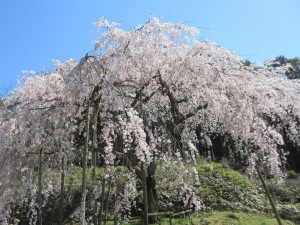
289 211
222 188
279 192
296 194
229 162
287 191
291 174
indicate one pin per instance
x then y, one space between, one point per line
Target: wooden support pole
94 162
100 214
107 200
62 191
269 196
85 151
145 197
40 216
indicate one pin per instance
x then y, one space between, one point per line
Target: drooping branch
176 114
189 115
178 117
181 100
139 94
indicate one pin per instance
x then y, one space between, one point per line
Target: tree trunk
62 192
145 196
116 220
107 200
269 196
95 200
40 217
85 150
94 163
151 192
100 214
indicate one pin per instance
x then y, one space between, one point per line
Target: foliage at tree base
220 188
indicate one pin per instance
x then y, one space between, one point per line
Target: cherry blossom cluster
151 88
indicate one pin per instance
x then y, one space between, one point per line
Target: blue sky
33 32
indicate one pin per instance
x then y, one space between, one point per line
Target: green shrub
200 160
291 174
232 215
223 188
231 163
296 194
279 192
287 191
290 212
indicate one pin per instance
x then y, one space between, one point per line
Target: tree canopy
151 93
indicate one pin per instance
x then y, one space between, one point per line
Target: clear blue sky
33 32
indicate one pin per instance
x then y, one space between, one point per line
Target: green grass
218 218
237 218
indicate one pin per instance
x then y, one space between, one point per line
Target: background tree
293 72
